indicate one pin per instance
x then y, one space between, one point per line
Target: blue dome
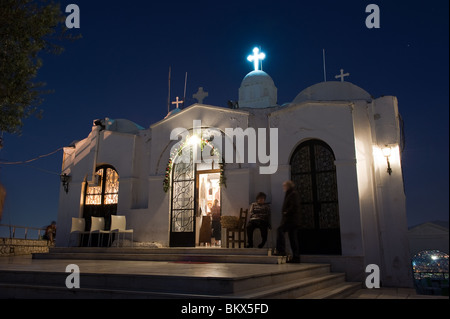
173 112
122 126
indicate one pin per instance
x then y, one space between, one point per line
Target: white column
349 212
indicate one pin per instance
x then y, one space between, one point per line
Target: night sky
119 69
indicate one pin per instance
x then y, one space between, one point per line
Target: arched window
101 198
106 192
314 173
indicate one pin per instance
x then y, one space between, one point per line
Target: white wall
77 163
114 148
391 206
332 123
366 182
152 224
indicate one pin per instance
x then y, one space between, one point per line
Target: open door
182 219
208 208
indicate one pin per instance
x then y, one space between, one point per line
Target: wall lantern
387 153
65 179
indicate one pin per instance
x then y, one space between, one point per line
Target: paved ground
391 293
193 269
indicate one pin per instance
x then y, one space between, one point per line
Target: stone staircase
209 255
272 278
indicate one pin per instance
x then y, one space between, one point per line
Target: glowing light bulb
194 140
386 151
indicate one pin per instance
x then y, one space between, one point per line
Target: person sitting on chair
259 218
50 233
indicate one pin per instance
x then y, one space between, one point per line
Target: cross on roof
256 58
177 102
342 75
200 95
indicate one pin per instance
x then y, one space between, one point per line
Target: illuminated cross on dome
342 75
256 57
177 102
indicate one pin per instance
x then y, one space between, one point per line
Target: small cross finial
200 95
342 75
256 58
177 102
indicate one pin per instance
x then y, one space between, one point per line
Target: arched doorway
100 200
195 189
314 173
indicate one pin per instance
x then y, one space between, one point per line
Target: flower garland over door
177 152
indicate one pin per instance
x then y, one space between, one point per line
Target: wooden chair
239 230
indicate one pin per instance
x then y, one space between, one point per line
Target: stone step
211 255
128 250
19 291
301 287
295 288
249 286
201 258
124 272
338 291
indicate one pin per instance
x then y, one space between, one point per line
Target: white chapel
341 146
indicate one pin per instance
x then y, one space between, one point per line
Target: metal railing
12 231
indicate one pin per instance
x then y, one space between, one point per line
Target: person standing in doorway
205 231
259 218
290 222
216 225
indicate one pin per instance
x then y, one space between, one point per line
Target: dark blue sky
119 70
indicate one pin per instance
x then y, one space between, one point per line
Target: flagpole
185 82
168 97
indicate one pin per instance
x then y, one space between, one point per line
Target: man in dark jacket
259 218
290 222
